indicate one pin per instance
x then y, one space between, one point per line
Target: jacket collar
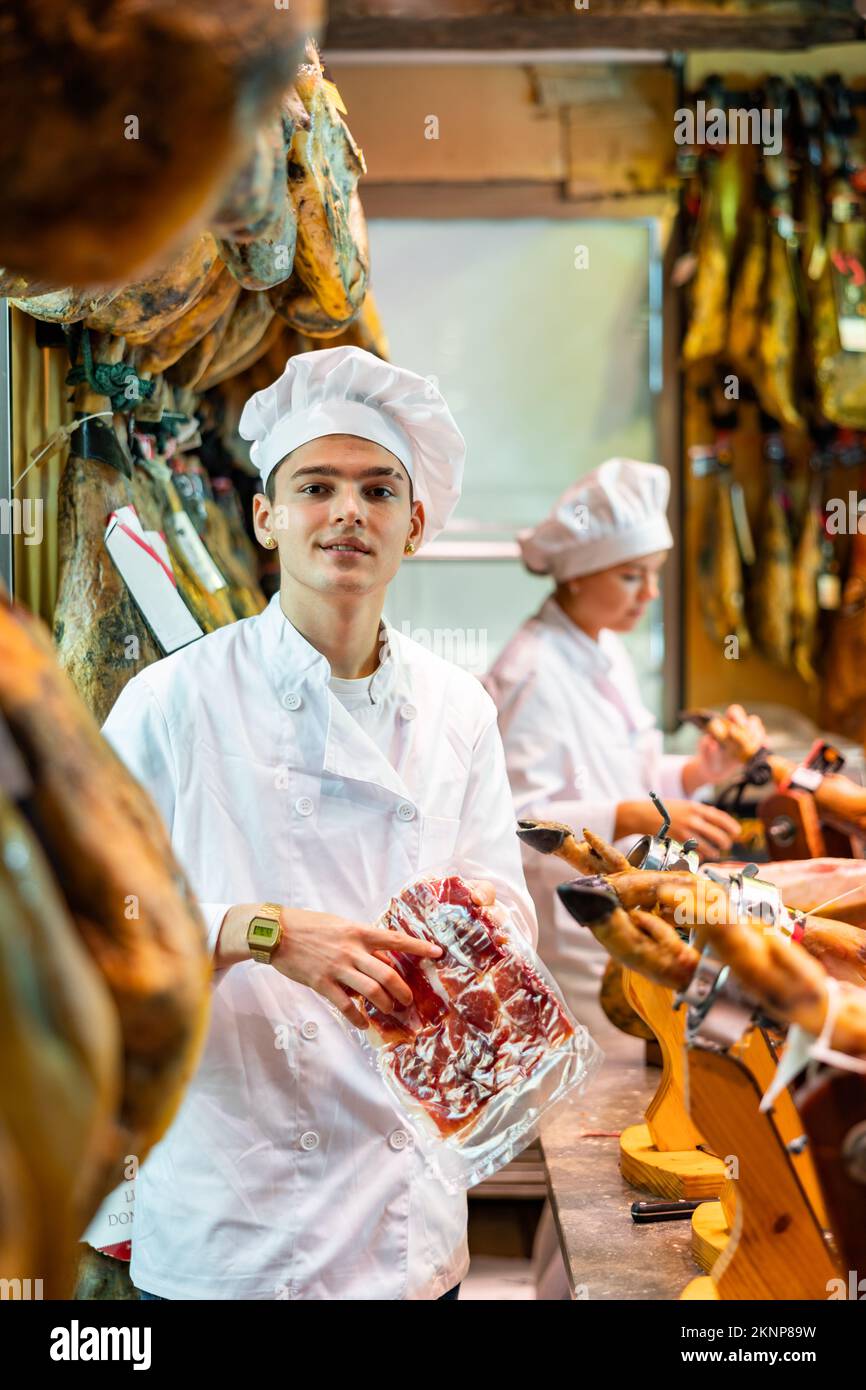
289 658
593 655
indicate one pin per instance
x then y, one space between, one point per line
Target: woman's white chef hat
346 390
614 514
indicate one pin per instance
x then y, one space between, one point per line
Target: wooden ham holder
663 1154
794 830
832 1104
713 1222
776 1248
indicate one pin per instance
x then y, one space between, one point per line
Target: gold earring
271 542
409 548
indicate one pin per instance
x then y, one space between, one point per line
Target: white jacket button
406 811
310 1140
304 806
398 1140
408 712
292 701
309 1029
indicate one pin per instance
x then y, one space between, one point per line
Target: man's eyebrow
328 470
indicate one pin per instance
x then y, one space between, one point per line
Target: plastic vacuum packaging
488 1044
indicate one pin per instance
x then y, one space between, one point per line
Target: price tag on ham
488 1044
144 564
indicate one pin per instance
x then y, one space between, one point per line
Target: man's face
341 515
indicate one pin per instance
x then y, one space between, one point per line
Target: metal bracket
661 851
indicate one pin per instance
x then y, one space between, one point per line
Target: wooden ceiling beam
495 201
495 25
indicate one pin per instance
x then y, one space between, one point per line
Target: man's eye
313 487
382 491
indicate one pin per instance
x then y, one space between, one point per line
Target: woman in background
581 746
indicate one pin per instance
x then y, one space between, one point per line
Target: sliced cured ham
482 1019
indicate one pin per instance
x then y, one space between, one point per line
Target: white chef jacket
287 1172
578 740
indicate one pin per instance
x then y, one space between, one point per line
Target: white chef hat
347 390
614 514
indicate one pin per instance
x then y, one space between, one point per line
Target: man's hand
331 955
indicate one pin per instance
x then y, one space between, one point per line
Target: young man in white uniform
580 744
308 763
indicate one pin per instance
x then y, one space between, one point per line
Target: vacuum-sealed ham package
487 1045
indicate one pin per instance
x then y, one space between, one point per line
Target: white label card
146 571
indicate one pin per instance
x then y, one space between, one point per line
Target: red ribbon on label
122 1251
139 540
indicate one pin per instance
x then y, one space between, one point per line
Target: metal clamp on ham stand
661 851
792 824
667 1153
719 1013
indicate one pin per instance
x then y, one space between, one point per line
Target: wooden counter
607 1256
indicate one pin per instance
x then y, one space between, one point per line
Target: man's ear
262 519
416 526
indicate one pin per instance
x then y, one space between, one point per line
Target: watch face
262 931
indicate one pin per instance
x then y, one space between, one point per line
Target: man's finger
720 818
482 891
499 914
718 839
380 939
388 978
362 984
347 1007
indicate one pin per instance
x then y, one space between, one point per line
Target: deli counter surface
606 1254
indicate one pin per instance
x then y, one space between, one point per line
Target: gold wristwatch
264 932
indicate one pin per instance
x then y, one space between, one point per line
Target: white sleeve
670 775
487 845
138 733
544 770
